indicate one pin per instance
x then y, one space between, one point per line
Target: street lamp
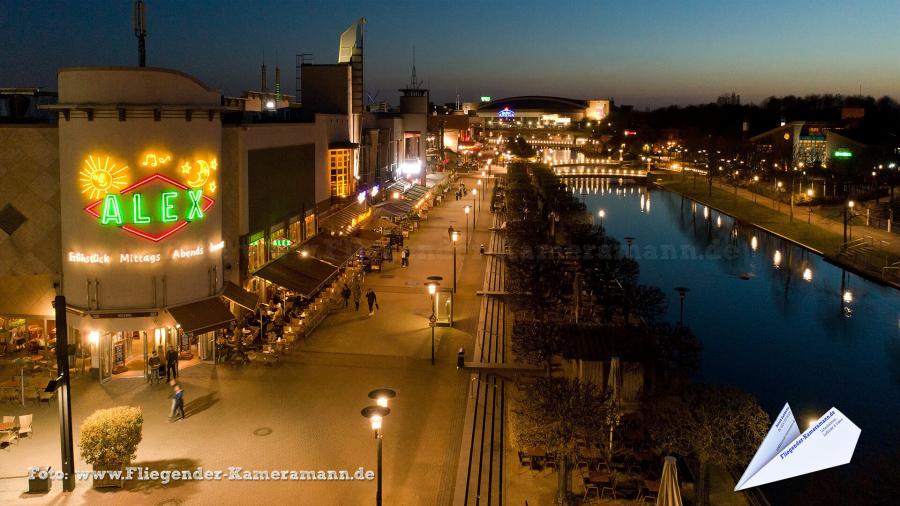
629 240
376 414
474 215
454 237
467 209
848 234
809 193
682 293
602 214
432 320
479 184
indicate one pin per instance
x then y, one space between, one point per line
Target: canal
777 321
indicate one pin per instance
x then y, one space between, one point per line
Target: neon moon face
198 172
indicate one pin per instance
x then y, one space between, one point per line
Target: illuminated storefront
141 228
339 170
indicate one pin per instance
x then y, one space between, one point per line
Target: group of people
354 290
158 367
461 192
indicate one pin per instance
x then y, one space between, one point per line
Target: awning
302 274
333 249
367 236
240 296
343 145
383 223
202 316
410 191
345 219
395 208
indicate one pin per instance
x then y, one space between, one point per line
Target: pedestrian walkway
302 413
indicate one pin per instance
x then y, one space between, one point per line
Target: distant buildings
538 110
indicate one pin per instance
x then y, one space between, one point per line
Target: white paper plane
786 452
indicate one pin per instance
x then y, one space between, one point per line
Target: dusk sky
641 52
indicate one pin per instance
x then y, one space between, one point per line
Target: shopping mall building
149 200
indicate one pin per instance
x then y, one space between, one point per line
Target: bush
109 437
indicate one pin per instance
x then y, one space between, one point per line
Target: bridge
599 170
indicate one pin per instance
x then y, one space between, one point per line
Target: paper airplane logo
786 452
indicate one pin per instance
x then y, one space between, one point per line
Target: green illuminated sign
485 98
173 206
843 153
281 242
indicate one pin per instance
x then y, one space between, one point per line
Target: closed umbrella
615 380
669 493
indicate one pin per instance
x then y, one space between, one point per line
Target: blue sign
506 112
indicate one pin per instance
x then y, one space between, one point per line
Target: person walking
406 257
171 364
357 294
345 295
177 400
154 365
372 300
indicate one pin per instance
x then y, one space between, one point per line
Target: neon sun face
99 176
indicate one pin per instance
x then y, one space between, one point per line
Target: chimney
262 77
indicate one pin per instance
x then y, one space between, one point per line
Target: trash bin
41 481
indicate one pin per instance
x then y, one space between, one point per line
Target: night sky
641 52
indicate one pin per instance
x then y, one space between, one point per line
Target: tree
678 353
536 342
714 425
560 413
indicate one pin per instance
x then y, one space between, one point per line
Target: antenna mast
140 30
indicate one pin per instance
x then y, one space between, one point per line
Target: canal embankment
867 256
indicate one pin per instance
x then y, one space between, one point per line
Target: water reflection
775 319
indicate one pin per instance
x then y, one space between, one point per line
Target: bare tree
714 425
558 415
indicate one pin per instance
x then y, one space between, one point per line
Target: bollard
461 358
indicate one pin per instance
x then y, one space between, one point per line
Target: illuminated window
256 252
339 165
310 223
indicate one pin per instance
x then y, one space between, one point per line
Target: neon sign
132 209
506 112
843 153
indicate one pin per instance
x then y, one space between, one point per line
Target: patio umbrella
669 493
615 380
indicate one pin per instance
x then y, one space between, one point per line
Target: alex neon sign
148 214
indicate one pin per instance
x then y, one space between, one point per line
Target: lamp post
602 214
474 214
809 193
454 237
629 241
376 415
778 186
432 320
682 293
479 184
755 181
468 209
848 234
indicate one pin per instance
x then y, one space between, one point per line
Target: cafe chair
25 425
589 488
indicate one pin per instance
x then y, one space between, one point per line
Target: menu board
119 354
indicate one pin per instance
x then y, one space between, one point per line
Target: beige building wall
29 257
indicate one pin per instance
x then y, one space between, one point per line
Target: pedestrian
154 364
481 249
404 258
171 363
372 300
177 400
345 295
357 293
406 251
450 232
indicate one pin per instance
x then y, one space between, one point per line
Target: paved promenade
302 413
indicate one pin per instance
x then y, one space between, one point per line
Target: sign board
185 343
432 319
485 98
506 112
119 354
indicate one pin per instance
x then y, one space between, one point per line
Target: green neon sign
174 205
843 153
281 242
485 98
138 207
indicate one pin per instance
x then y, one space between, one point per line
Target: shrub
109 437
